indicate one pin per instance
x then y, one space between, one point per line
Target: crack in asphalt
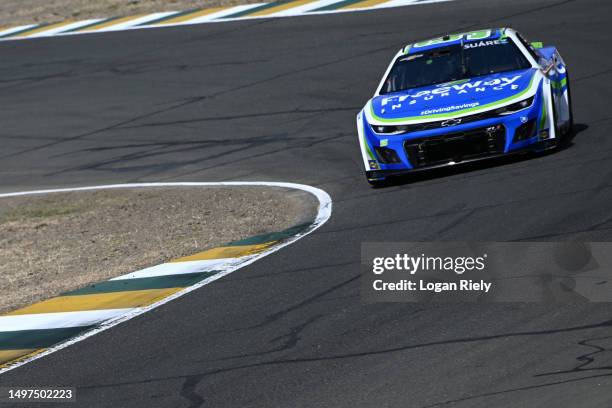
464 340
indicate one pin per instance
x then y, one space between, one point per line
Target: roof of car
455 38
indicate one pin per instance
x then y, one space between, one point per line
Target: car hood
453 99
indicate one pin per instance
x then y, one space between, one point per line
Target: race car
464 97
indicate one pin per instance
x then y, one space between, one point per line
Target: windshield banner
453 97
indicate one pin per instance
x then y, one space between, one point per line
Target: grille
457 147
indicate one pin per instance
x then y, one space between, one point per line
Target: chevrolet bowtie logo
451 122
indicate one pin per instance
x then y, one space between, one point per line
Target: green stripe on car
559 84
363 140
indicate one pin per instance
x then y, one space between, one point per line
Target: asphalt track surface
276 100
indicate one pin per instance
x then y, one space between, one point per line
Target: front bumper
447 146
375 175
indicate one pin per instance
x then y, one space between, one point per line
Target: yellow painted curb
9 356
281 7
43 29
190 16
227 252
102 301
364 4
106 24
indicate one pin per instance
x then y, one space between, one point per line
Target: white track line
40 321
16 29
179 268
132 23
303 9
388 4
323 214
57 30
210 17
400 3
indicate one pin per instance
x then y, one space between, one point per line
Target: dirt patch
57 242
16 12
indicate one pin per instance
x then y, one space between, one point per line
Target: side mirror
537 45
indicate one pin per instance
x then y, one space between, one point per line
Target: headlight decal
515 107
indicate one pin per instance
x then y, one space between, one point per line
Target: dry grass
16 12
57 242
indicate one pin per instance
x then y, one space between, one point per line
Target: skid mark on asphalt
192 100
601 347
193 380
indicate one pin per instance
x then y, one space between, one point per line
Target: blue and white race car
464 97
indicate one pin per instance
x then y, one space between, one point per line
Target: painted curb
285 8
73 325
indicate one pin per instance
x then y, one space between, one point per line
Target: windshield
454 62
